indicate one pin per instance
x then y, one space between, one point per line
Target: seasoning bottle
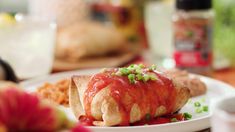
193 23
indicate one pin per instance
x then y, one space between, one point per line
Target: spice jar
193 23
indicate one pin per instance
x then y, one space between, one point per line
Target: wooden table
227 76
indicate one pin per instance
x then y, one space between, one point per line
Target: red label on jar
193 42
192 59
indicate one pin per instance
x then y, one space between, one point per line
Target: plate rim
53 76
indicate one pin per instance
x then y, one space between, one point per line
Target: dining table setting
117 65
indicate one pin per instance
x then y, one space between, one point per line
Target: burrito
89 39
121 96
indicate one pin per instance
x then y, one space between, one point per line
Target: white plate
216 90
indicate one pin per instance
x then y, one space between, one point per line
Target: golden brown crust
195 85
183 94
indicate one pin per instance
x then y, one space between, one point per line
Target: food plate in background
199 121
94 62
112 60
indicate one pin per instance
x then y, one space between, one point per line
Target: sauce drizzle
148 95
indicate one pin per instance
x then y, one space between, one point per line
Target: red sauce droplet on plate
86 120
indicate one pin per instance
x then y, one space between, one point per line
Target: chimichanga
123 96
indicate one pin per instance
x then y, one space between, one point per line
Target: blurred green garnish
187 116
137 72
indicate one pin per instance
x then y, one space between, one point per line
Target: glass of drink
223 119
28 46
158 20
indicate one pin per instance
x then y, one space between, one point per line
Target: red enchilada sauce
148 95
88 121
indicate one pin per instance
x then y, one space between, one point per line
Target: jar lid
193 4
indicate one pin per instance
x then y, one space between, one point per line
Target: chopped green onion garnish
205 108
187 116
141 66
199 110
174 120
197 104
139 77
131 78
146 77
153 67
153 77
124 71
131 66
137 73
203 100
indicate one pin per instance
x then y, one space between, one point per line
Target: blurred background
38 37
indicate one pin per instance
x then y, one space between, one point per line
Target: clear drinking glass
28 46
158 19
223 119
64 12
